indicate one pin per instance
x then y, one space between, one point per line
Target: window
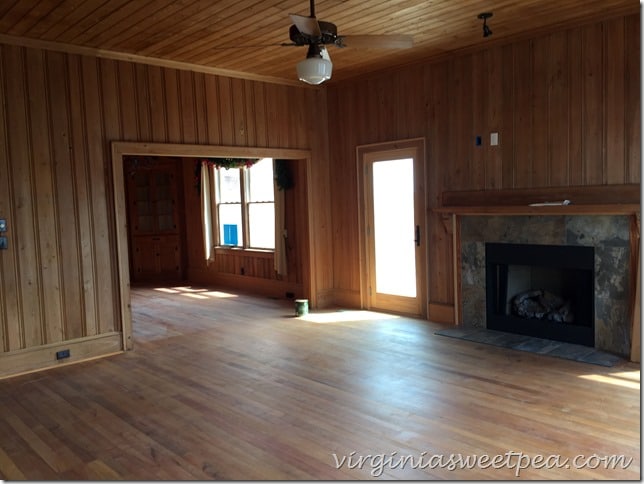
246 206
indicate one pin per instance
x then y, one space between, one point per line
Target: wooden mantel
587 200
594 209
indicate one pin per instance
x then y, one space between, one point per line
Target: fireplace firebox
545 291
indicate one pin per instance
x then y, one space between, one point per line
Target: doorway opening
120 153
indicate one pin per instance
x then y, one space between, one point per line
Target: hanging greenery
218 163
283 176
230 162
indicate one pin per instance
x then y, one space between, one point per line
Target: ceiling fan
317 34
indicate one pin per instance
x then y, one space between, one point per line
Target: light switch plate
3 225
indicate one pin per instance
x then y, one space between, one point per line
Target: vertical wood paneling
480 101
261 128
226 119
83 210
633 99
239 112
277 127
187 107
540 175
437 170
158 118
523 121
58 116
110 99
575 92
46 220
66 197
100 210
566 106
200 108
24 223
10 312
343 177
496 96
460 96
593 105
142 98
212 110
172 106
558 120
614 161
298 126
127 90
249 107
507 148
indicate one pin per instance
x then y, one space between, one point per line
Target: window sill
260 253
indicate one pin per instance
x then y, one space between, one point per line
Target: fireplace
545 291
608 236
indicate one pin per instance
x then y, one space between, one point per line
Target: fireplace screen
545 291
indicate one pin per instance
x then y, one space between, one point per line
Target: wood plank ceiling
242 37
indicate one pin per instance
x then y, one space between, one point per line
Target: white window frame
244 185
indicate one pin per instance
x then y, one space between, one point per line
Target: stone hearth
608 234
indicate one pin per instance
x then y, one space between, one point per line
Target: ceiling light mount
484 16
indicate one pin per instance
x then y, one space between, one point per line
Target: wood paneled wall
58 115
566 107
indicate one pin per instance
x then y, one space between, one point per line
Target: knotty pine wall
58 115
566 106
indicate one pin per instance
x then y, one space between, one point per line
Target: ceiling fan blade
376 41
306 25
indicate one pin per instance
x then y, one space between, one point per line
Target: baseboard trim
40 358
440 313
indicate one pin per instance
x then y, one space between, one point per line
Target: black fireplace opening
546 291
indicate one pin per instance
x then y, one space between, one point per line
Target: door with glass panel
393 227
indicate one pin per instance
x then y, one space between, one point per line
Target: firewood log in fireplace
541 304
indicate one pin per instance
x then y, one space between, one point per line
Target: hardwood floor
234 387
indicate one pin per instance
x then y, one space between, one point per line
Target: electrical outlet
4 244
62 354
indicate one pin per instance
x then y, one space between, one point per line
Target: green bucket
301 307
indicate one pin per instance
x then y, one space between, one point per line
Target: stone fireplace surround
608 234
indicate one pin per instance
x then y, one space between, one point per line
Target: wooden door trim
123 148
361 153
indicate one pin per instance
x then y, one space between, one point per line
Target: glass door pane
393 214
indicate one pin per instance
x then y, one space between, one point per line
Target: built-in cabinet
153 197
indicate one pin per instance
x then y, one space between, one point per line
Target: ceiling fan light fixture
315 69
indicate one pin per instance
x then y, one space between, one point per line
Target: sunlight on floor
195 293
344 316
194 296
628 379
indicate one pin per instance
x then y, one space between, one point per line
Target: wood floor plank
234 387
